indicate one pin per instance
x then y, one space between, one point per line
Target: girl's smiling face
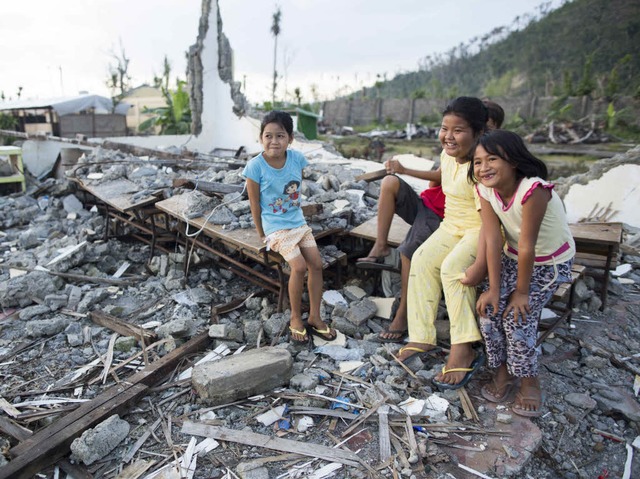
275 140
492 170
456 136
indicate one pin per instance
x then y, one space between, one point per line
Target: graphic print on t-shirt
291 189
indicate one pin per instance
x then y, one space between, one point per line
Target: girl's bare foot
461 356
529 398
377 253
501 386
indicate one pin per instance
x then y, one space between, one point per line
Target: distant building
89 115
141 98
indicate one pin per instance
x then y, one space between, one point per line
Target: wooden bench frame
217 241
564 294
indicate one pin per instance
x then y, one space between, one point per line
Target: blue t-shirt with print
279 191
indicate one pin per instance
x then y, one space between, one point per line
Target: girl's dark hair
511 148
291 183
282 118
470 109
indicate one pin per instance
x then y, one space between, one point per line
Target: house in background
89 115
141 98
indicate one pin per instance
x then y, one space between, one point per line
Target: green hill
585 47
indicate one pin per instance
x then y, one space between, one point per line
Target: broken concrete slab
96 443
242 375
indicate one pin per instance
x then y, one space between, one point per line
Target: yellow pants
437 265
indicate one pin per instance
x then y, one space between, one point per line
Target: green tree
275 30
587 83
298 95
175 118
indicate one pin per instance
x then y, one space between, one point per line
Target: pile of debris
346 202
586 131
99 338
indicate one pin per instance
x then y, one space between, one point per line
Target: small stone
580 400
504 418
218 331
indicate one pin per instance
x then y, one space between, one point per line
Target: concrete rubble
48 342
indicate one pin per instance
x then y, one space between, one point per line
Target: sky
325 48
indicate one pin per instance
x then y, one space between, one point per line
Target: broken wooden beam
270 442
122 328
51 443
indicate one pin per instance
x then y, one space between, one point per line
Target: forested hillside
585 47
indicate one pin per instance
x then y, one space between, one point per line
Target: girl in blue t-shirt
274 178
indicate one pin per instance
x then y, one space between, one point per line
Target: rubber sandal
525 413
508 390
415 350
299 332
473 367
323 333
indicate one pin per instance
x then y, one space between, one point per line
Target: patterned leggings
515 343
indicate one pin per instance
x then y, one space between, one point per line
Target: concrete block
96 443
242 375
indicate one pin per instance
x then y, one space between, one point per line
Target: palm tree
275 29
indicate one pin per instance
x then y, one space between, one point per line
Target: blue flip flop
475 365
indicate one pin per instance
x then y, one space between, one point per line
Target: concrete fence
365 111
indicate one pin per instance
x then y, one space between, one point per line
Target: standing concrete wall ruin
217 105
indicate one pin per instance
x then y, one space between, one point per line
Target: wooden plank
260 440
122 328
602 233
119 194
10 428
246 238
383 433
52 442
369 230
372 175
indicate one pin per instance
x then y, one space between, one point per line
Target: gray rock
361 311
178 328
580 400
303 382
251 330
275 324
143 171
96 443
72 204
615 400
218 331
33 311
251 470
46 327
242 375
222 216
91 298
240 207
56 301
125 344
344 326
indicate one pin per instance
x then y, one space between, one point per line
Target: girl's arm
394 166
533 212
475 273
253 190
493 248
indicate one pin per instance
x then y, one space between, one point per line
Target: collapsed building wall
607 192
218 107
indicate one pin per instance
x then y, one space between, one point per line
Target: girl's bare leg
298 267
386 209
